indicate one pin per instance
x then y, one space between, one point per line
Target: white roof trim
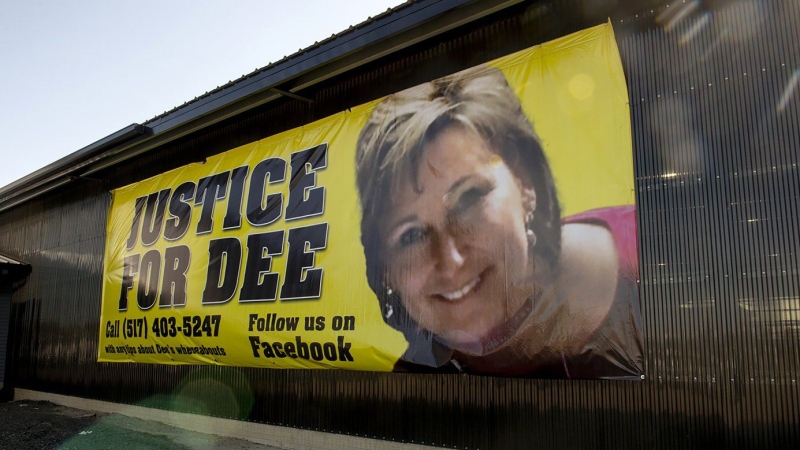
6 260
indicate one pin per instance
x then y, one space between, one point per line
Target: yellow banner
437 228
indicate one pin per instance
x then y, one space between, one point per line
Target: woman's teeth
457 295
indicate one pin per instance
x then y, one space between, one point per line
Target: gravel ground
44 425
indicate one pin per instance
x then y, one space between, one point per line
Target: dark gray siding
714 107
5 309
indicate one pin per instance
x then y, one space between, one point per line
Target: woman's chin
463 341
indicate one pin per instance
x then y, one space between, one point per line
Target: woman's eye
412 236
470 197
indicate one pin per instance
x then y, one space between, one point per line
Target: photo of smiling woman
466 248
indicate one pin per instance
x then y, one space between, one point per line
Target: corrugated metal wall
716 124
5 311
715 106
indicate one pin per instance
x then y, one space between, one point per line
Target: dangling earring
531 238
529 200
388 308
529 228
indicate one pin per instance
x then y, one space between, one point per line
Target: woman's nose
450 256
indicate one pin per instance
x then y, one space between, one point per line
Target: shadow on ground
44 425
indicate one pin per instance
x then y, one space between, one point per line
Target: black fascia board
11 272
11 275
8 260
404 18
119 137
320 55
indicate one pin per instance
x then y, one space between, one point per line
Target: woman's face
457 251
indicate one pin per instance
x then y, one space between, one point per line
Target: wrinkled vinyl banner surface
483 222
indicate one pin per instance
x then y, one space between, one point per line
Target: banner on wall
483 222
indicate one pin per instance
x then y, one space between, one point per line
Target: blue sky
76 71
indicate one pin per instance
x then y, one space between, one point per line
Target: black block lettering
225 258
209 190
306 200
154 216
255 344
344 349
173 288
302 280
180 210
130 267
137 222
259 211
233 217
149 272
259 285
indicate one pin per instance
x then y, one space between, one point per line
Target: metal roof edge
397 28
350 40
8 260
114 139
11 273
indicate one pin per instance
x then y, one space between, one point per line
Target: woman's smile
459 294
462 291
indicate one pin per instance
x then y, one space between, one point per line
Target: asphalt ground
44 425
